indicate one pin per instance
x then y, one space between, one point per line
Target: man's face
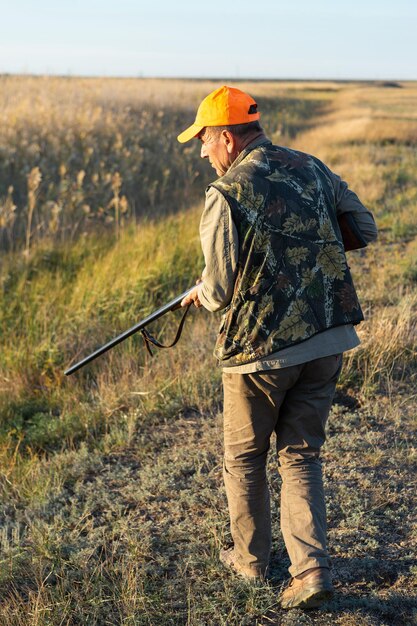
216 148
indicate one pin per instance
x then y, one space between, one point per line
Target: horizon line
203 78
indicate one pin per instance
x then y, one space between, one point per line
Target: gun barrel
171 306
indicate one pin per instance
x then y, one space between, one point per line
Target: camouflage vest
292 278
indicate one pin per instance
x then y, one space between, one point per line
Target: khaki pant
293 402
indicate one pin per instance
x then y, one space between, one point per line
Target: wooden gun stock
351 235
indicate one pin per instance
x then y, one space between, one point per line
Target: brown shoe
308 592
228 558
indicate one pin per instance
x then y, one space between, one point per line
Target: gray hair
239 130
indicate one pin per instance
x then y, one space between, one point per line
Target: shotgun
139 327
352 240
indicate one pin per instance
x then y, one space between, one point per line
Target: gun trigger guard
149 339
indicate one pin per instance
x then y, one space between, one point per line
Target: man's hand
192 297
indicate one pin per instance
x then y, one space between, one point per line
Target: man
275 262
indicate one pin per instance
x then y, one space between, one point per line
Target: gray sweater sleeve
220 245
348 202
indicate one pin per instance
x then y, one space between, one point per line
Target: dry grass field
112 508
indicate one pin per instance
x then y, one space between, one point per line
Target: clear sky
364 39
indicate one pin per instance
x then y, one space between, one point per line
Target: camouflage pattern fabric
293 280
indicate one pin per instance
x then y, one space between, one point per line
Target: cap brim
189 133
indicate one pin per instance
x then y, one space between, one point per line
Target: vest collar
260 141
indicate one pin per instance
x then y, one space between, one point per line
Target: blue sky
235 39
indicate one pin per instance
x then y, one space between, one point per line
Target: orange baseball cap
222 107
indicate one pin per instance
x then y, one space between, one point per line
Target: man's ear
229 141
